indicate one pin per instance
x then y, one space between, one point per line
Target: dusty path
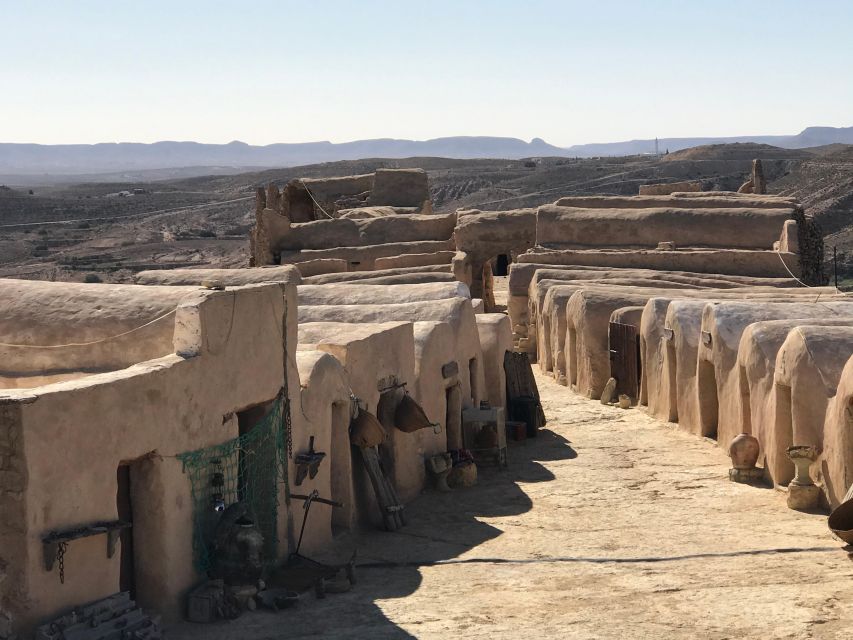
609 525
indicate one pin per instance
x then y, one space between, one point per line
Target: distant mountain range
809 137
75 159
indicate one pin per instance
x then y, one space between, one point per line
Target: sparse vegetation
119 227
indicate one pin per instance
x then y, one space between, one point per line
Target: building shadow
440 527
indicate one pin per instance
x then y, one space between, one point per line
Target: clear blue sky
280 71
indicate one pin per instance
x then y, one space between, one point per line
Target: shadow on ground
441 527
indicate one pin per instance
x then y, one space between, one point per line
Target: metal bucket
366 430
410 416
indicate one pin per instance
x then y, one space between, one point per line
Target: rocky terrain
108 231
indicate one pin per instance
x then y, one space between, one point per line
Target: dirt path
609 525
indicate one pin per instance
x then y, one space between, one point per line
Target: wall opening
340 468
671 382
644 391
300 205
453 417
500 267
256 474
473 374
572 356
708 403
124 507
745 402
784 434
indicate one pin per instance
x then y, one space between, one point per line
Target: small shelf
52 541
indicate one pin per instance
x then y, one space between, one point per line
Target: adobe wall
483 235
718 390
330 234
399 188
457 312
756 368
354 293
363 258
736 228
808 370
550 325
495 340
415 259
314 267
679 199
324 405
103 327
435 355
667 188
430 271
732 262
662 334
838 437
373 353
587 351
553 295
229 277
13 524
143 415
526 298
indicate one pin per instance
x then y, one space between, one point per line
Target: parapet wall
51 331
740 228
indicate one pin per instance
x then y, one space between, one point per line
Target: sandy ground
609 525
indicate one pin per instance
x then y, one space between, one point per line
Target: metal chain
288 428
60 556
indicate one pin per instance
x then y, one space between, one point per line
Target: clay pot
743 450
841 521
366 430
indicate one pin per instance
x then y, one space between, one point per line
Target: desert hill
113 229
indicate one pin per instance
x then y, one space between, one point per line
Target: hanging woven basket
409 415
366 430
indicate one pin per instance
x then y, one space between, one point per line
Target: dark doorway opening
300 205
708 402
453 417
256 484
125 514
501 265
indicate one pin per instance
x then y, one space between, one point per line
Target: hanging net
247 469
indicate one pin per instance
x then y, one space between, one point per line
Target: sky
280 71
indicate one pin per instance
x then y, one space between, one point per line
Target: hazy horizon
290 72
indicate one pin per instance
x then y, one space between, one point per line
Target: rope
782 260
311 195
86 344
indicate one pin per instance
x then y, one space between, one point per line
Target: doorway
453 417
340 468
124 509
501 265
708 403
